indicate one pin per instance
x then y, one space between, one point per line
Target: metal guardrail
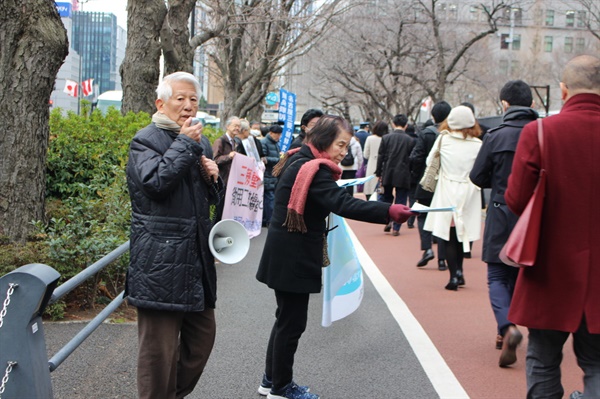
24 367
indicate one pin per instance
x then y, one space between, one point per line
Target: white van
109 98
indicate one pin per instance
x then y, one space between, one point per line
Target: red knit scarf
295 213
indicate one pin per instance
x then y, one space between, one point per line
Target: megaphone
228 241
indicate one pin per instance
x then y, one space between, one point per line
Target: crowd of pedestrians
175 176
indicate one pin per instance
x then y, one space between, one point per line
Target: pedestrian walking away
560 294
491 170
458 145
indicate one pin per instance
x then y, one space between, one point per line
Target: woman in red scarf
295 252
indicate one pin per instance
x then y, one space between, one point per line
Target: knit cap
461 117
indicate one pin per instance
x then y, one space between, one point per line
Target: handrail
88 272
70 347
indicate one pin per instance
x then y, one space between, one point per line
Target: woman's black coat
292 261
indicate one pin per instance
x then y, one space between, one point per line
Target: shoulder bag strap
541 141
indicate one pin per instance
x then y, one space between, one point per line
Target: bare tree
411 49
363 61
155 27
140 69
248 42
592 18
33 46
260 41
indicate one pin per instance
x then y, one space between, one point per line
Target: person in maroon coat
560 294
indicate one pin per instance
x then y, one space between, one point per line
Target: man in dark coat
308 121
491 169
560 294
225 146
271 152
171 278
418 158
393 166
362 133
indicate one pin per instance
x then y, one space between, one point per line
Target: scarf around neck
164 122
295 209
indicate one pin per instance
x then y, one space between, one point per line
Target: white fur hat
461 117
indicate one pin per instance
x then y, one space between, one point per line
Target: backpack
348 159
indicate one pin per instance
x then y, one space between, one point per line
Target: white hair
231 119
164 91
245 125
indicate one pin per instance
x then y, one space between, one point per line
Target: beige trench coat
371 153
455 189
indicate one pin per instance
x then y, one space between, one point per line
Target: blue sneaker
265 386
292 391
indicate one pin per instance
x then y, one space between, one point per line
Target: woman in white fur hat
458 149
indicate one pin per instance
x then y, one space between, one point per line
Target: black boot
442 265
452 284
460 278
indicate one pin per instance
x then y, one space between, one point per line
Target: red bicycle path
460 324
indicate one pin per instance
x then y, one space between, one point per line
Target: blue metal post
22 341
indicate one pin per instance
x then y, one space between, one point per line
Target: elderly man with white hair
171 279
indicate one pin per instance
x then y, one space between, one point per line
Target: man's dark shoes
512 339
452 284
460 277
442 265
427 256
387 228
499 341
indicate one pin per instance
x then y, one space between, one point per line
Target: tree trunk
140 69
175 37
33 46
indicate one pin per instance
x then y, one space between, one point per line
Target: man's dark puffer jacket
171 267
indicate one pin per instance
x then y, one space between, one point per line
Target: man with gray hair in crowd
171 279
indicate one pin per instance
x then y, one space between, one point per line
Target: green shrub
87 205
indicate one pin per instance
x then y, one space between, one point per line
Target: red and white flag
87 87
71 87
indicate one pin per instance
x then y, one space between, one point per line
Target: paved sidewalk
410 338
363 356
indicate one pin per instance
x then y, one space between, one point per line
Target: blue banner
343 286
287 115
64 9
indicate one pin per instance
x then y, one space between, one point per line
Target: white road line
442 378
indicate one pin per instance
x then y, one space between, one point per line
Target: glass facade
95 40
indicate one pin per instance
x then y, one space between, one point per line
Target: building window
580 45
570 19
442 11
549 17
503 66
548 44
518 16
504 39
516 42
453 12
568 44
581 19
473 13
514 68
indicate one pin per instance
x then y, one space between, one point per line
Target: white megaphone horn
228 241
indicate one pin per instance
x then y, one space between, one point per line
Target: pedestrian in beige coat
459 147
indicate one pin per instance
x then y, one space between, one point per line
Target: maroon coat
564 284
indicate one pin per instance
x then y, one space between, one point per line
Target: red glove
400 213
